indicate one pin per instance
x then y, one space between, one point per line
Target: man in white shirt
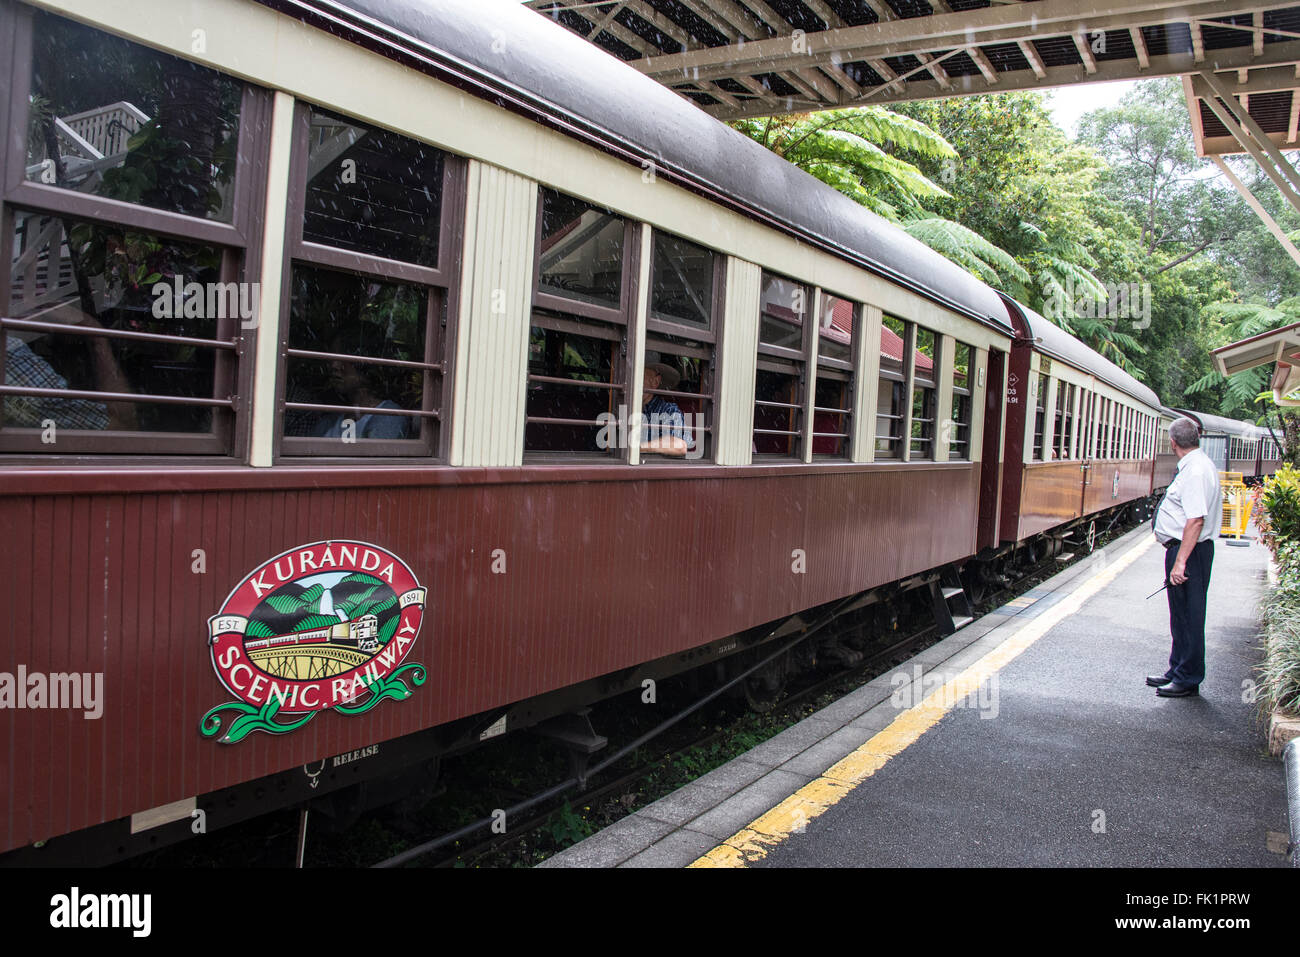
1188 519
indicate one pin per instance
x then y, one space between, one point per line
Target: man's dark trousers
1187 613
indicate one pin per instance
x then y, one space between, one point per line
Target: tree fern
966 248
1236 321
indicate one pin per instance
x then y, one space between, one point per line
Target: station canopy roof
738 58
1281 347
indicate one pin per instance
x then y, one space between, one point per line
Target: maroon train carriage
1080 438
310 554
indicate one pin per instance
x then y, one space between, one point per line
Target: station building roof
759 57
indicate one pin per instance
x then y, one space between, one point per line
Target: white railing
107 128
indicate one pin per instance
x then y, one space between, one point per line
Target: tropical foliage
1234 321
1062 224
1279 524
867 153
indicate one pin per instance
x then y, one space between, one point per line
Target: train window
582 257
1040 415
684 277
1085 423
677 398
1117 431
1107 429
924 394
358 375
93 346
576 387
1064 419
368 292
890 412
129 231
833 405
372 191
680 360
578 354
113 119
782 365
1094 426
959 433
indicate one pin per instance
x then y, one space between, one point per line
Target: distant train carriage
1270 454
1233 445
1081 433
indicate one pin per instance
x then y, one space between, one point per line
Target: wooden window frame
961 428
441 303
922 386
903 380
782 360
574 317
550 302
843 370
239 242
711 339
1038 444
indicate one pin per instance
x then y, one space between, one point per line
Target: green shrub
1279 521
1280 670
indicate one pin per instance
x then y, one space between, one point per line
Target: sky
1068 103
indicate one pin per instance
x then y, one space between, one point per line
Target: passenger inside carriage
359 387
344 332
26 369
663 427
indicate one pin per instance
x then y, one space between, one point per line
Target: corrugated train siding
739 347
492 348
600 576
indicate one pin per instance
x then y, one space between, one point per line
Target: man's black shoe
1157 681
1175 690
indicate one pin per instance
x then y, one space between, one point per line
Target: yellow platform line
751 843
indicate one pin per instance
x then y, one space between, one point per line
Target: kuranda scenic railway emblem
320 626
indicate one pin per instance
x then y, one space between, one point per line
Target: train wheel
1090 541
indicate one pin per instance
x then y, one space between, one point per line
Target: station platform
1028 738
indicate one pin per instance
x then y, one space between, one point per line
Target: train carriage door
991 457
1086 409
